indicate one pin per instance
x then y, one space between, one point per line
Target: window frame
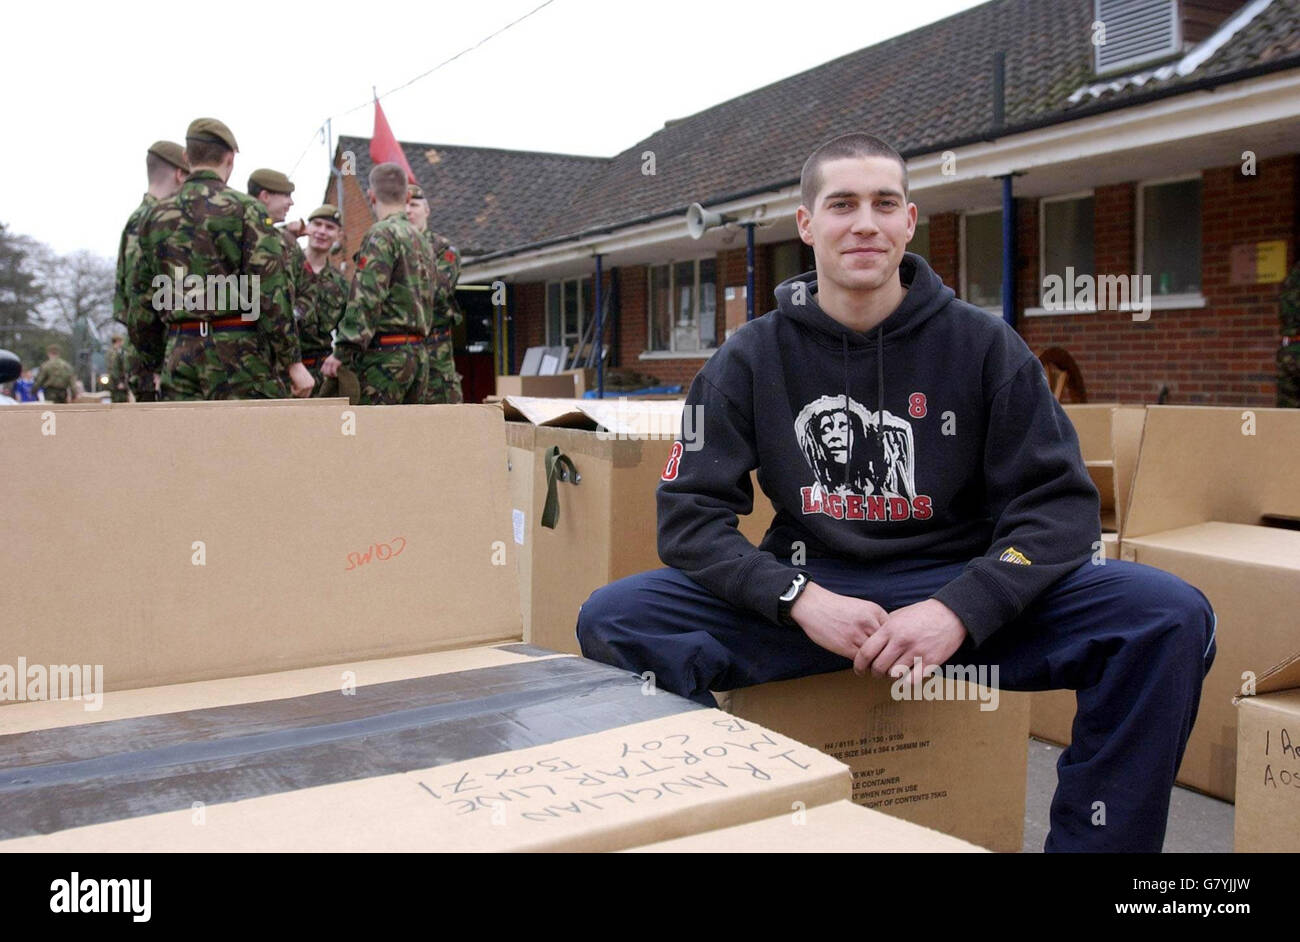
1187 299
1038 308
671 264
961 255
577 282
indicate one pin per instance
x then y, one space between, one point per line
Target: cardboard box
1267 816
239 538
481 749
1109 436
1251 575
942 764
562 385
837 828
606 525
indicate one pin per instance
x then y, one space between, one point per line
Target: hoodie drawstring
880 401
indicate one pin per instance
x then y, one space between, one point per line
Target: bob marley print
861 471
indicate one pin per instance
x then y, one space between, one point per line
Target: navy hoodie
952 447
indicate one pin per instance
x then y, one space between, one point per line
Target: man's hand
836 622
296 228
302 380
929 630
331 366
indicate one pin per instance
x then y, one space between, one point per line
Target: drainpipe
749 271
1008 250
600 331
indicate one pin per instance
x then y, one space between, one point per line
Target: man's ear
803 219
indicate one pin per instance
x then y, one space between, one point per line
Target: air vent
1136 32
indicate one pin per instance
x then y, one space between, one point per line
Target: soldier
325 293
382 335
444 381
274 191
209 299
167 169
1288 355
116 363
56 376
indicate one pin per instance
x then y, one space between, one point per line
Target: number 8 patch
674 462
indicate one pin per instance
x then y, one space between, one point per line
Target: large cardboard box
605 524
481 749
839 827
1205 479
955 765
1267 816
174 542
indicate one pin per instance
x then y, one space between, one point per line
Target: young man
931 503
115 363
325 290
381 337
56 376
444 381
167 169
241 345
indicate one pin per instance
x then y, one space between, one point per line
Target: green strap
558 465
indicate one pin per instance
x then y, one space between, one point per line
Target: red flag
384 147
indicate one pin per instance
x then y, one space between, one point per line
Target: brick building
1156 138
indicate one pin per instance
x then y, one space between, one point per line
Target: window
982 258
683 307
920 244
1169 236
569 306
1066 237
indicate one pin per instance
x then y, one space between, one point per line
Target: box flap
1092 424
644 418
1283 676
1199 463
540 411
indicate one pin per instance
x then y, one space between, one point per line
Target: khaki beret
272 180
174 154
210 129
328 211
413 192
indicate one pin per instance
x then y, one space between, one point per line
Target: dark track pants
1134 642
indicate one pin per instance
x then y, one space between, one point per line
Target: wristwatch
787 599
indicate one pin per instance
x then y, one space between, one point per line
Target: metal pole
749 271
1008 251
600 331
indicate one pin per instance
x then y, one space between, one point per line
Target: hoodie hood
926 296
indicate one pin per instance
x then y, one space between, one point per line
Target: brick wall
1222 354
357 217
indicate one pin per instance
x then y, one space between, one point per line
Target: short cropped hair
54 350
159 169
846 145
205 153
388 181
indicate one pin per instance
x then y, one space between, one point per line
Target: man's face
861 222
418 212
833 429
277 204
322 234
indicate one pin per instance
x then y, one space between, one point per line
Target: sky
89 86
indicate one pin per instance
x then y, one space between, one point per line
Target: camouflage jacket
447 265
392 287
115 364
55 374
214 232
320 307
128 253
1289 303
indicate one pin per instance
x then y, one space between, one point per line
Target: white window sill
670 355
1159 302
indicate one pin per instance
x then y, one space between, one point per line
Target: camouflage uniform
318 310
444 381
1288 356
57 378
381 337
139 379
210 229
117 379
